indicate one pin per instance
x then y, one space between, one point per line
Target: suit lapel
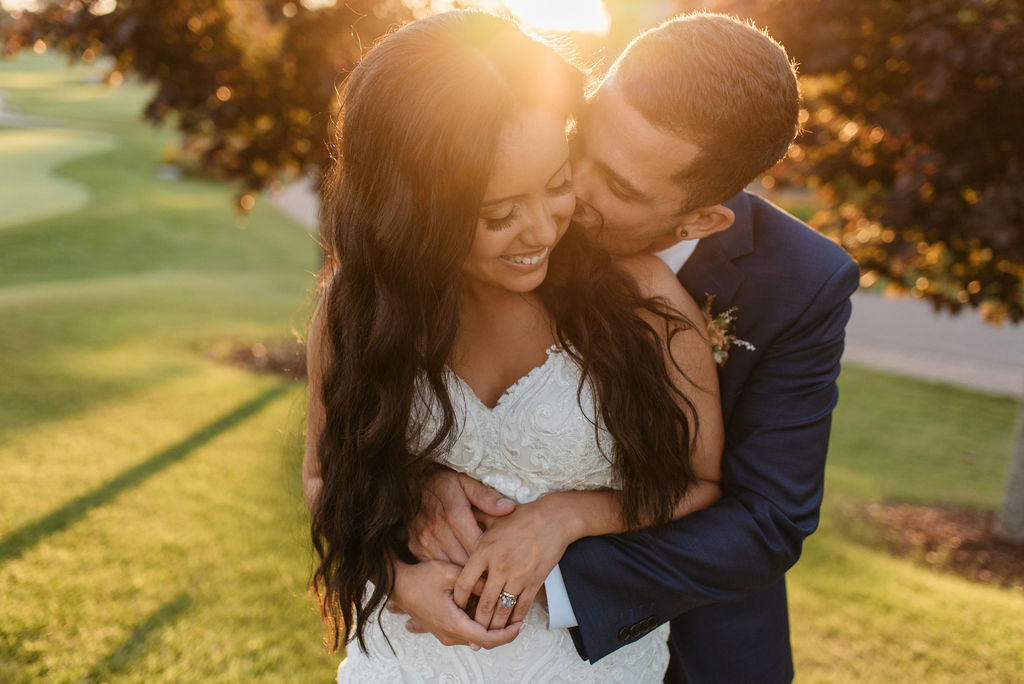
710 269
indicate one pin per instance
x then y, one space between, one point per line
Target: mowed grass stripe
30 185
17 541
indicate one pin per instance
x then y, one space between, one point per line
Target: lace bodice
534 441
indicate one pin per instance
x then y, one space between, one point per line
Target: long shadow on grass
17 542
134 646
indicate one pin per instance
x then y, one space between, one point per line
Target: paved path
897 335
905 336
299 200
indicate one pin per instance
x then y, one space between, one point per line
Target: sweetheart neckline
552 351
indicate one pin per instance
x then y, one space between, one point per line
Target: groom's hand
446 528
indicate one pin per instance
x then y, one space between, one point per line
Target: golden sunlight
584 16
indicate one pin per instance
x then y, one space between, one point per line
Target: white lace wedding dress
536 440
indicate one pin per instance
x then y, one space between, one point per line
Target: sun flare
584 16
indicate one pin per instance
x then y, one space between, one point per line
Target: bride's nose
541 229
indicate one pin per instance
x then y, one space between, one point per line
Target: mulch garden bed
280 357
958 540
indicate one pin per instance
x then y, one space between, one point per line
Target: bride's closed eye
503 222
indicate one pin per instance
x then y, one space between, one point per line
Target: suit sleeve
773 474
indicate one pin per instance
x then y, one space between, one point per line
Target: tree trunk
1010 523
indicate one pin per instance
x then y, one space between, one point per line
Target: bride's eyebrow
499 200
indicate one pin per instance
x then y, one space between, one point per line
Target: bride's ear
701 223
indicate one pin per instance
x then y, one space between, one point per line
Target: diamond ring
507 600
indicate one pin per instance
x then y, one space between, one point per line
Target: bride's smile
527 259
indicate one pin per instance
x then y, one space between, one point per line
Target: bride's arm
694 373
312 482
519 550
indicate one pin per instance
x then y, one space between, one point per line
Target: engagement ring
507 600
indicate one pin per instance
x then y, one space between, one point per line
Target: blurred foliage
914 132
913 109
252 84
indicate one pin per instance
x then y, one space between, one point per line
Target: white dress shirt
560 612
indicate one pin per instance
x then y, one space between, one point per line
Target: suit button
625 634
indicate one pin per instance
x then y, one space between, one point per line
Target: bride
464 322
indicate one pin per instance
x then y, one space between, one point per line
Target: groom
690 114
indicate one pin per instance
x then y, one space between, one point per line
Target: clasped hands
473 544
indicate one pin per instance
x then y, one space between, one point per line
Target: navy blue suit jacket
718 574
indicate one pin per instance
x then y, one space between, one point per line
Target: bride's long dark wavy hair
420 124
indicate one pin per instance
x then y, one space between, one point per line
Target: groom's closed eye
619 186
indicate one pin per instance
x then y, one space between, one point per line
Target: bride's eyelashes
503 222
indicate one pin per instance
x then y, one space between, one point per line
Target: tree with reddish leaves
252 85
913 133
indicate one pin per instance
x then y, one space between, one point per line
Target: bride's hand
515 555
424 591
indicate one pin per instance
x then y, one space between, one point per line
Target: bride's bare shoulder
656 279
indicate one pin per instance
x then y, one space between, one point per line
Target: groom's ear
701 223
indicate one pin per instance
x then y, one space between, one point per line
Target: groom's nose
583 179
587 216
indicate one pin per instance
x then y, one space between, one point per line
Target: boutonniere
720 331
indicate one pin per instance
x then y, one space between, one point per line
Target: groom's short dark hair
720 83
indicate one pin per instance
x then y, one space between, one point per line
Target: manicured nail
504 502
474 647
522 626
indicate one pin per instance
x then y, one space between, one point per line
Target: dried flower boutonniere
720 331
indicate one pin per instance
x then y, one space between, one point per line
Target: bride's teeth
527 260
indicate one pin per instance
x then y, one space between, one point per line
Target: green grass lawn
151 524
859 615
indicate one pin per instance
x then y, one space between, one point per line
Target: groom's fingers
429 551
450 546
466 582
463 532
489 600
488 500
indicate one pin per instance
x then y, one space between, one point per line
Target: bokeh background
159 167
